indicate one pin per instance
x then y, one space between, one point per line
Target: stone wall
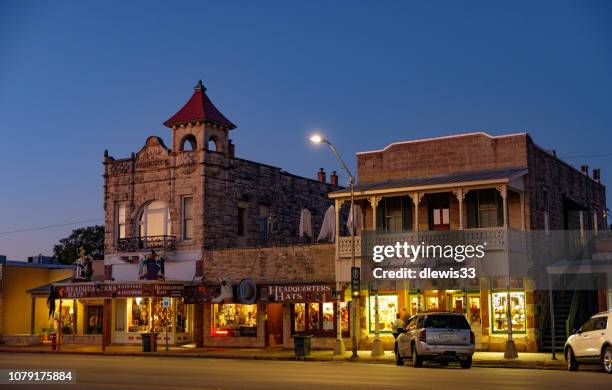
444 155
288 263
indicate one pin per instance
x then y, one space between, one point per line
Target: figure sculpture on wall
226 292
84 263
152 267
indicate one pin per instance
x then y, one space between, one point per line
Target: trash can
149 342
301 345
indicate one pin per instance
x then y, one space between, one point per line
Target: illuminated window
431 304
517 313
119 220
154 220
473 312
234 320
387 311
318 318
187 218
138 310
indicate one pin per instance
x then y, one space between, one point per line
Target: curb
498 363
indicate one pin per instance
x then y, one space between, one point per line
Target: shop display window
68 317
93 319
181 315
518 311
473 312
160 316
234 320
431 304
414 304
457 303
138 314
318 318
387 311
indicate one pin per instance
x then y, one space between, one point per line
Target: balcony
140 244
497 239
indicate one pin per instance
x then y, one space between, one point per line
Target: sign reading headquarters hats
246 292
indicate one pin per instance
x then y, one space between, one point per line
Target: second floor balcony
142 244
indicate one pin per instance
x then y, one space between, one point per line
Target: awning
46 288
460 179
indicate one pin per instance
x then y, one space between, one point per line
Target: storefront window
473 312
93 319
518 311
161 316
457 304
299 317
414 304
138 314
318 318
67 316
234 320
431 304
387 311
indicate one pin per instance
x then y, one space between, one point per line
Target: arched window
212 144
154 220
189 143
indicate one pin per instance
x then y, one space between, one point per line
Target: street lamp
317 139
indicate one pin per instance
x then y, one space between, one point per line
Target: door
439 211
274 324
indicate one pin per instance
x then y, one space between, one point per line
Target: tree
91 238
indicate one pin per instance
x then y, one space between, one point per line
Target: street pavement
134 372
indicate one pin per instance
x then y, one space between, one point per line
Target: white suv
591 343
443 337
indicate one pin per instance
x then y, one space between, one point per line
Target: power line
51 226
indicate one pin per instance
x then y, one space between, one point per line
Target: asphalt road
117 372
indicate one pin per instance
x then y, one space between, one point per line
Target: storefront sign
287 293
200 293
119 290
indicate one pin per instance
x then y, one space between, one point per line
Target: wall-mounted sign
297 292
200 293
246 291
118 290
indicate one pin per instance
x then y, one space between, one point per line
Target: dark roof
451 178
37 265
199 108
46 288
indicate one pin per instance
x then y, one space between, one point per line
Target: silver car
443 337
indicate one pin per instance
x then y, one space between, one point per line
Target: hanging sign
297 292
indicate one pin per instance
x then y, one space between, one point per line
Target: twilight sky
77 78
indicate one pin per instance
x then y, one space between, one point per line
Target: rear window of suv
446 321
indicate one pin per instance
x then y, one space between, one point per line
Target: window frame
184 218
319 331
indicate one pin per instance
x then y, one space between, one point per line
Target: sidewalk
480 359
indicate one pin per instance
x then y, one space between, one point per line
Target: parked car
443 337
591 343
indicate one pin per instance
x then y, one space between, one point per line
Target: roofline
18 263
441 138
392 190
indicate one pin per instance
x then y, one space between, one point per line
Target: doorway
274 324
439 211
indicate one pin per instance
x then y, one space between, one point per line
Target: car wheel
417 361
466 364
572 364
606 359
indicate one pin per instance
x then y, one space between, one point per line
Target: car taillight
472 337
423 335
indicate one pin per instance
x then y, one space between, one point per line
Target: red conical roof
199 108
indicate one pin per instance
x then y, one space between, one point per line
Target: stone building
472 188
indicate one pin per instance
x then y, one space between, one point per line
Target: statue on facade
226 292
84 270
152 267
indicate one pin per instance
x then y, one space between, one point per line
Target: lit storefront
234 320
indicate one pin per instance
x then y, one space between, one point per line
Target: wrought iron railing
138 244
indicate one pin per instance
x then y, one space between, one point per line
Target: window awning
424 183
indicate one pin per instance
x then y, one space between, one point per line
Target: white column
339 348
460 194
377 348
416 199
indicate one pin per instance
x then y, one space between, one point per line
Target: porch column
522 200
460 194
416 199
503 191
374 200
338 205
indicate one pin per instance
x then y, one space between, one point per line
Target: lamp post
317 139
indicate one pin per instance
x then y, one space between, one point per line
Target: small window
212 144
189 143
119 220
240 223
187 218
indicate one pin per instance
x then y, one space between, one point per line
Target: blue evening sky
80 77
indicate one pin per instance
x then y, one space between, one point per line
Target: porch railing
497 239
138 244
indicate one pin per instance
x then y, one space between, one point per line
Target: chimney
584 169
231 149
321 175
333 179
597 174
